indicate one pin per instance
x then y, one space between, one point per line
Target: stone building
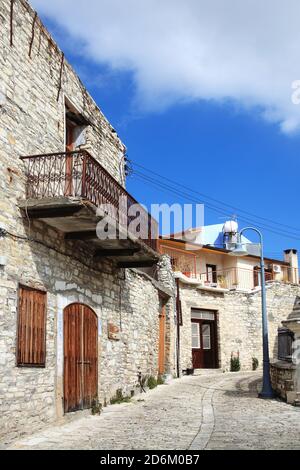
285 369
235 321
80 317
219 298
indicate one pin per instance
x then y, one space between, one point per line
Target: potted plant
222 281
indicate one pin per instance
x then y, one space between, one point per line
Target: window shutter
31 346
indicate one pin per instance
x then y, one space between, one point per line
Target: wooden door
80 357
162 336
204 344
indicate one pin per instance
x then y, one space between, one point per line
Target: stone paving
207 411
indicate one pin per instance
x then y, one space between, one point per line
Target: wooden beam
116 252
85 235
53 212
137 264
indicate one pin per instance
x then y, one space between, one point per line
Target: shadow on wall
296 309
275 349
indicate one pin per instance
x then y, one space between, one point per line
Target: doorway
204 339
211 273
80 357
162 340
70 147
257 275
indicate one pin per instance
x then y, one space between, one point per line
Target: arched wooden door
80 357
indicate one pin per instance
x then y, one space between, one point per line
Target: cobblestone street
208 411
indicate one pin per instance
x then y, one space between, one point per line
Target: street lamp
240 250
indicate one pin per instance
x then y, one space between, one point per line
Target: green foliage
235 364
151 382
119 398
160 380
96 407
255 363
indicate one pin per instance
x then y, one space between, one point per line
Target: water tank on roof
231 226
230 231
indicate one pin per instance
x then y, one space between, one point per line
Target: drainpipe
178 327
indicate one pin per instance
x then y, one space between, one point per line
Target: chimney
291 257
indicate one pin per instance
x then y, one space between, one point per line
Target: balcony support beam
84 235
116 253
137 264
53 212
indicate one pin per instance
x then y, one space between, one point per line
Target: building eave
220 250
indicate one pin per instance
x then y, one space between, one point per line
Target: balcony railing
244 278
78 174
231 278
181 260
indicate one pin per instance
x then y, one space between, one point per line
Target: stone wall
127 298
283 378
239 320
32 121
285 375
166 278
32 113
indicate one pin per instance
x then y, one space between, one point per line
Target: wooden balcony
72 192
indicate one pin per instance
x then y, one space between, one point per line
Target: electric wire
205 196
185 196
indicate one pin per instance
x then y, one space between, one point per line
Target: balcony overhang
70 192
78 220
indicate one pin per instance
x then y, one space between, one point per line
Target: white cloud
187 50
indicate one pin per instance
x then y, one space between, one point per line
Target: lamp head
239 250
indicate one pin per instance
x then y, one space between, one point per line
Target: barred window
285 344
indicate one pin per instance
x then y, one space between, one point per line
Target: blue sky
228 151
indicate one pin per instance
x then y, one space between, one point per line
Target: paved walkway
209 411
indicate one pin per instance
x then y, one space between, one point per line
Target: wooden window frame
199 338
31 365
207 336
211 314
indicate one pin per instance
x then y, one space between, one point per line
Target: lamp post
240 250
